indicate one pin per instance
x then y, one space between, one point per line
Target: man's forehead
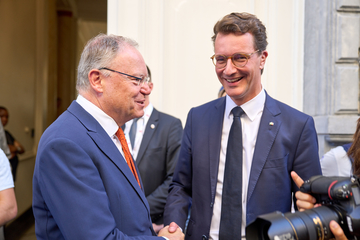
235 41
130 57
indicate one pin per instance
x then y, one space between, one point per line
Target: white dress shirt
106 122
250 122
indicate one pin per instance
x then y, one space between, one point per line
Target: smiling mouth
233 80
140 102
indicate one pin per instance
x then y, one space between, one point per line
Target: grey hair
99 52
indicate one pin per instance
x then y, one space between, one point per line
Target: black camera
340 200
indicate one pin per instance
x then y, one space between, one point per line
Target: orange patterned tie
128 157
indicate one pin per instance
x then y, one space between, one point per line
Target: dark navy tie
231 207
132 132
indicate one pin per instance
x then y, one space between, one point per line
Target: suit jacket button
204 237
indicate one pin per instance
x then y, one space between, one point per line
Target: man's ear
95 80
151 85
263 59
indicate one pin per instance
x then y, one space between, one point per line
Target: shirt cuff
165 238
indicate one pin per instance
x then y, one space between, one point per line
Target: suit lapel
106 146
214 132
150 128
269 126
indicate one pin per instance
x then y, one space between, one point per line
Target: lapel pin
271 123
152 126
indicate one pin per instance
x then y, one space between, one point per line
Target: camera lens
312 224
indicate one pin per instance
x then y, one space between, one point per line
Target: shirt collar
251 108
148 110
106 122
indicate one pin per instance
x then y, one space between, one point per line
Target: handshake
171 232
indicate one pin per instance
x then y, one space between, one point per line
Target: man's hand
303 200
13 150
172 232
337 231
157 228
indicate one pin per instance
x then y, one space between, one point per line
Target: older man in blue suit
238 151
85 184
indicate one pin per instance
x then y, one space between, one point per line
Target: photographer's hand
337 231
304 200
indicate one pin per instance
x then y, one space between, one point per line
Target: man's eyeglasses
138 81
238 59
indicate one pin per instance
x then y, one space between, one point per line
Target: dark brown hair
354 150
240 23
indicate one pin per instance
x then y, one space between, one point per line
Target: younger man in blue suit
85 184
275 139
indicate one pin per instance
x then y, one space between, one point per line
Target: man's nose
145 89
229 68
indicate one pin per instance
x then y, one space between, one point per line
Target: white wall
175 40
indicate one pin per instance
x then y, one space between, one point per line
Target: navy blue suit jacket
290 144
83 187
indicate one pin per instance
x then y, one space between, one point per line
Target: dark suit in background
156 159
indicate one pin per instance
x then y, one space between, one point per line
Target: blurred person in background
221 92
15 146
